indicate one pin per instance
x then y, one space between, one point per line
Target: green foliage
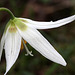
45 1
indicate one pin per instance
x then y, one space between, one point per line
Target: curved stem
10 13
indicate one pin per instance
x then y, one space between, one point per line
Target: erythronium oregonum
20 29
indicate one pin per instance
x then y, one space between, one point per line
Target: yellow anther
22 46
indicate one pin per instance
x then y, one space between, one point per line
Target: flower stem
10 13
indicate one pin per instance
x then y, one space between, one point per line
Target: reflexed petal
48 25
37 41
12 49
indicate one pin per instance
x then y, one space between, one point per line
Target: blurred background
62 38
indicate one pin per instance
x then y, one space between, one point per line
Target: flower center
21 25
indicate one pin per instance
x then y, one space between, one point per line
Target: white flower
20 28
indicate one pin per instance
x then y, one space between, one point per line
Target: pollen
22 46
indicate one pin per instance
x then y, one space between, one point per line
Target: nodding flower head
23 30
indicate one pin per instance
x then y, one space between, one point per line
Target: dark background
62 38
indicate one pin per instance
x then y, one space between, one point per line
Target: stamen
22 46
27 50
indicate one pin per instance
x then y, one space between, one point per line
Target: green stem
10 13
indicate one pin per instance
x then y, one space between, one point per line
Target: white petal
1 45
2 42
37 41
48 25
12 49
